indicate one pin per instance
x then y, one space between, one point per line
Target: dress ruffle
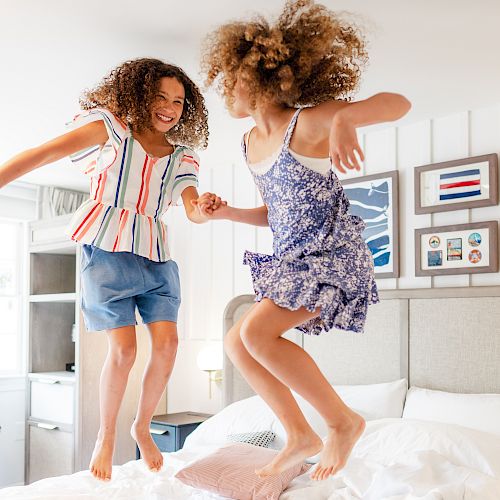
318 282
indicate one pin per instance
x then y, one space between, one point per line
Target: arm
254 216
338 120
64 145
210 207
379 108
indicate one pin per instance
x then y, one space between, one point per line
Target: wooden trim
492 159
440 293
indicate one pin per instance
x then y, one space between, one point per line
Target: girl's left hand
344 144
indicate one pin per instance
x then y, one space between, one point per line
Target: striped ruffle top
129 191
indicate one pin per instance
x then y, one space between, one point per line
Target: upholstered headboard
446 339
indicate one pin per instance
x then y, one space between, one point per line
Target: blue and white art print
374 198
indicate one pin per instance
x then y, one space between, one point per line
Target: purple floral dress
320 258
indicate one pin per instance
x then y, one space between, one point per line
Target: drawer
52 400
49 230
163 436
50 451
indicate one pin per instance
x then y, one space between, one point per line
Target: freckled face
167 107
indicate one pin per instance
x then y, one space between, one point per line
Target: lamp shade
210 358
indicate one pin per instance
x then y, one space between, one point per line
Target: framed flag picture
458 184
374 198
457 249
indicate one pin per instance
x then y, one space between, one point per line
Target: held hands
210 206
344 144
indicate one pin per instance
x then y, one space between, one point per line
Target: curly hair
308 56
129 90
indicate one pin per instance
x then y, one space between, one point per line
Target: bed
439 440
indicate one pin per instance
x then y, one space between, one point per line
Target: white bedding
394 460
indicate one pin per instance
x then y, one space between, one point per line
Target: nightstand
171 430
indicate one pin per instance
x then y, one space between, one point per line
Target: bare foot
297 449
101 462
149 451
338 446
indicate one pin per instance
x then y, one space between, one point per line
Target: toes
327 472
316 473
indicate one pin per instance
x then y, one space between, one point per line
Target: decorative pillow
263 438
230 472
476 411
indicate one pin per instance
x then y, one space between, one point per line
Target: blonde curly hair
308 56
129 90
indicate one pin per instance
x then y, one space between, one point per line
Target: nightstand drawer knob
159 432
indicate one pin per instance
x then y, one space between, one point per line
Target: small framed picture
374 198
458 184
457 249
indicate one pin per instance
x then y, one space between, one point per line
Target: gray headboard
446 339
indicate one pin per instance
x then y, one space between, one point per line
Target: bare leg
114 375
261 334
163 351
302 441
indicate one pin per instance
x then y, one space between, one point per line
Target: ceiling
441 54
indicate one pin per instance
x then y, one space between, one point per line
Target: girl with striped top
134 139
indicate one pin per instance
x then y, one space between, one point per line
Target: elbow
405 104
399 103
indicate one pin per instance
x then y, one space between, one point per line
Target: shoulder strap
290 129
244 143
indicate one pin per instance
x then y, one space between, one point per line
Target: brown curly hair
129 90
308 56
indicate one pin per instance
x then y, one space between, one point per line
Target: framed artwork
458 184
374 198
457 249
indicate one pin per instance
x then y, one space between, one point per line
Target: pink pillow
230 472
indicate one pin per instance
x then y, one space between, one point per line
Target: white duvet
394 460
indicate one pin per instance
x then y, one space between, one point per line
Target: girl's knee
123 355
250 337
232 342
167 346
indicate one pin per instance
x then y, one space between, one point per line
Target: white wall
12 421
210 255
17 202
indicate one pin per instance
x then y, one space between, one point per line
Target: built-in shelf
53 297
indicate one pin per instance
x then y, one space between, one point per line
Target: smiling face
166 110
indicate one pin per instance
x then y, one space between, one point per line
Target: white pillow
476 411
252 414
247 415
374 401
394 442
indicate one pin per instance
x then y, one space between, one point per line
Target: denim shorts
114 284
